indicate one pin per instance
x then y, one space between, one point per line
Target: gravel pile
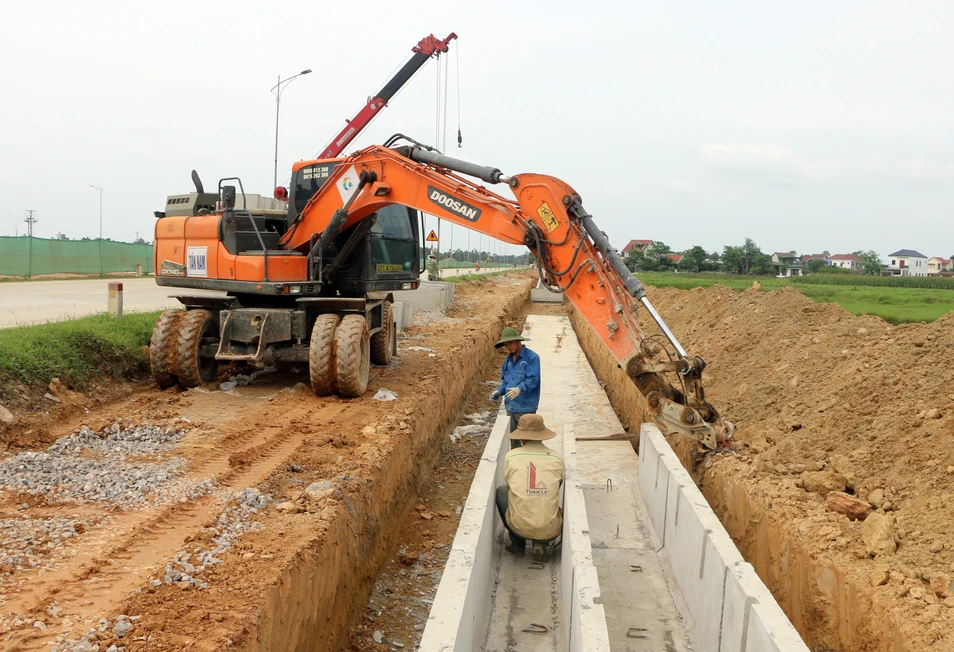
86 467
121 439
24 542
233 522
89 642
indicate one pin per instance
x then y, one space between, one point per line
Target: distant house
937 265
807 258
846 261
787 263
639 245
675 257
906 262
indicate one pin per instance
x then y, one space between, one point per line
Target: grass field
896 305
77 351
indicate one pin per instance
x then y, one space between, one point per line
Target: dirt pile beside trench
829 402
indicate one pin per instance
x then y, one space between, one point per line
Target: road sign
432 237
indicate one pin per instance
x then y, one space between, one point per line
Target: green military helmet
509 334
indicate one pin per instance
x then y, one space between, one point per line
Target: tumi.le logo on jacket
534 486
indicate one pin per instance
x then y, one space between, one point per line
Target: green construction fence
27 256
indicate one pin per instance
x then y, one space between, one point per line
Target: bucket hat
509 334
531 427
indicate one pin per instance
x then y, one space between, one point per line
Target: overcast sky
802 125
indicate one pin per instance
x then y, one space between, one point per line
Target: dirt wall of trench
825 401
310 607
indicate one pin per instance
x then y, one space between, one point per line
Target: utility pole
30 219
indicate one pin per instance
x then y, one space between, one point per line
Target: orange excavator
318 291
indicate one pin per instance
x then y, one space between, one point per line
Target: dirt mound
827 401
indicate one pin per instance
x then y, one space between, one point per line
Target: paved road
42 301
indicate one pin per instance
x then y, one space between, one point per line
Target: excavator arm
573 256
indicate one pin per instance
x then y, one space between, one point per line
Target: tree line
745 259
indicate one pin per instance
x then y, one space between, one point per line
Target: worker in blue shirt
520 379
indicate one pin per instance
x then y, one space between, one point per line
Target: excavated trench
825 402
809 386
322 591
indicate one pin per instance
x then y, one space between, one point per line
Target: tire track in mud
116 562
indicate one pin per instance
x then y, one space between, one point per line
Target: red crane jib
426 48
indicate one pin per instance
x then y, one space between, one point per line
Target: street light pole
100 209
277 89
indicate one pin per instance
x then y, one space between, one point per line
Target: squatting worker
520 379
529 504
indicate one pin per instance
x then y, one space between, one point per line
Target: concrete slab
429 295
583 598
633 600
403 314
543 295
720 590
462 604
770 630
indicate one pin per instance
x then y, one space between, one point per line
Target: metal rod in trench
665 329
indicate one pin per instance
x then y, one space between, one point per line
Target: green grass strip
78 351
896 300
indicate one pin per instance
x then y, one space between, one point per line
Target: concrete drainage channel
644 564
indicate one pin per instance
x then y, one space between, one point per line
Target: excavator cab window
306 182
394 241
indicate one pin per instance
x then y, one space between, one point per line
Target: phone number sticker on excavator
549 219
198 261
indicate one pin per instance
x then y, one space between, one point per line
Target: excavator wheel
162 349
381 341
321 355
194 368
353 356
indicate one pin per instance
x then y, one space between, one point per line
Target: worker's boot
540 551
518 550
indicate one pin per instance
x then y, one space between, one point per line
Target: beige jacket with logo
534 474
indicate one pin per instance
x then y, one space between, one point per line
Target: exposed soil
825 401
342 474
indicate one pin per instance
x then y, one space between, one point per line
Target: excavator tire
353 352
321 355
162 349
194 370
381 341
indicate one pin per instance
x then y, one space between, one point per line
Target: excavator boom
547 215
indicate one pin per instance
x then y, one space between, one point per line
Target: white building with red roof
846 261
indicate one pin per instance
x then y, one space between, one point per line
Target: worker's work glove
494 396
513 393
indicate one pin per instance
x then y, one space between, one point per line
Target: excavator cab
384 253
